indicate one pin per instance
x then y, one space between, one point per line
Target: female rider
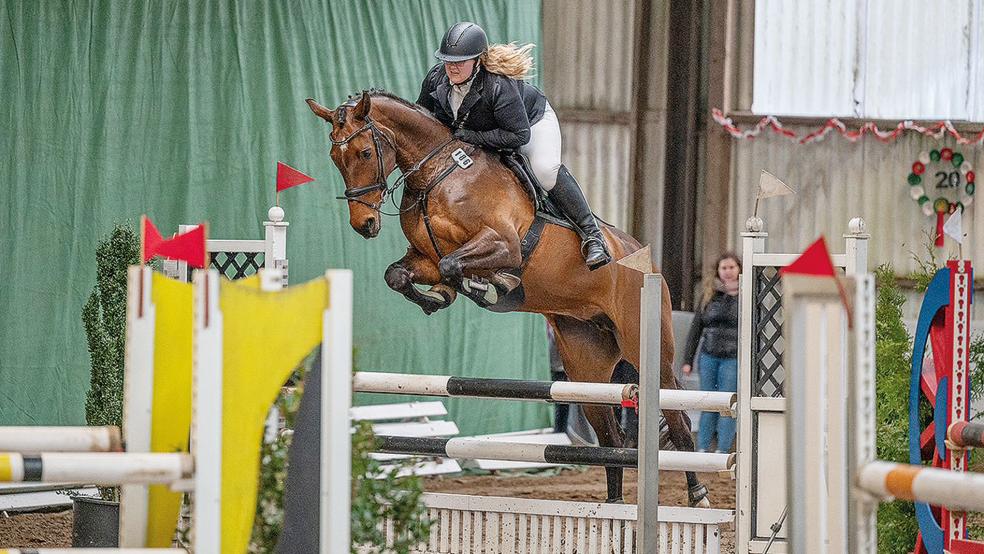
478 91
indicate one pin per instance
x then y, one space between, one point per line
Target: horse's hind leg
678 423
589 354
626 321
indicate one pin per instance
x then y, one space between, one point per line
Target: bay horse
466 223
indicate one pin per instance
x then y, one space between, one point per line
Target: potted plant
96 519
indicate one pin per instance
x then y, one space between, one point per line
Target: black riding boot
567 195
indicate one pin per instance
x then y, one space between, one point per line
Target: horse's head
365 155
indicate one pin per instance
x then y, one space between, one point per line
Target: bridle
356 194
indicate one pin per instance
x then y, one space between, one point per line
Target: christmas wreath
946 170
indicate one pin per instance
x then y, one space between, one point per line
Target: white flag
954 226
770 185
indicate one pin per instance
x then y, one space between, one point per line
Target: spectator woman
715 329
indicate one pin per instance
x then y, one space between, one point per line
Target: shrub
104 320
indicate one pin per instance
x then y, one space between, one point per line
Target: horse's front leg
413 268
488 252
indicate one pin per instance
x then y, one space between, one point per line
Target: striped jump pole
34 440
481 449
543 391
96 468
966 435
939 487
516 389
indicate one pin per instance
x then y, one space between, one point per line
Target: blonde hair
509 60
711 279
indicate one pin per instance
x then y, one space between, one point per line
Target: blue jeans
717 374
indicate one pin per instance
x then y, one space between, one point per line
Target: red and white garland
936 130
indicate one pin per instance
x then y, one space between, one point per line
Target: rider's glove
468 136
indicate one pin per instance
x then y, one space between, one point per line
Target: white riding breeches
543 149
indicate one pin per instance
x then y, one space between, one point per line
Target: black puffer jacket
497 112
717 324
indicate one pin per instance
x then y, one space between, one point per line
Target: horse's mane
380 93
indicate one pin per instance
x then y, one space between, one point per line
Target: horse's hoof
698 497
618 500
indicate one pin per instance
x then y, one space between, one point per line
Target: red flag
815 260
188 247
288 177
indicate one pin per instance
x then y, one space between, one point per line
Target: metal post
649 336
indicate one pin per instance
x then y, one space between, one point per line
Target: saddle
544 207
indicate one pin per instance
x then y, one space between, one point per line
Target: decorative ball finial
276 214
857 226
754 224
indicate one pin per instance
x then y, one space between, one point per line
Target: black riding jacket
717 324
497 112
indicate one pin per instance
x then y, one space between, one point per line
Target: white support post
178 269
753 242
336 400
206 438
815 336
272 280
856 248
138 364
275 239
649 412
961 296
862 511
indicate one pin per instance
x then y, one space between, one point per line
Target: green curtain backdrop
178 109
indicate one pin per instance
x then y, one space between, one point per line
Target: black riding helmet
463 41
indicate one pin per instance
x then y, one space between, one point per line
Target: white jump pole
939 487
94 551
724 403
97 468
34 440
